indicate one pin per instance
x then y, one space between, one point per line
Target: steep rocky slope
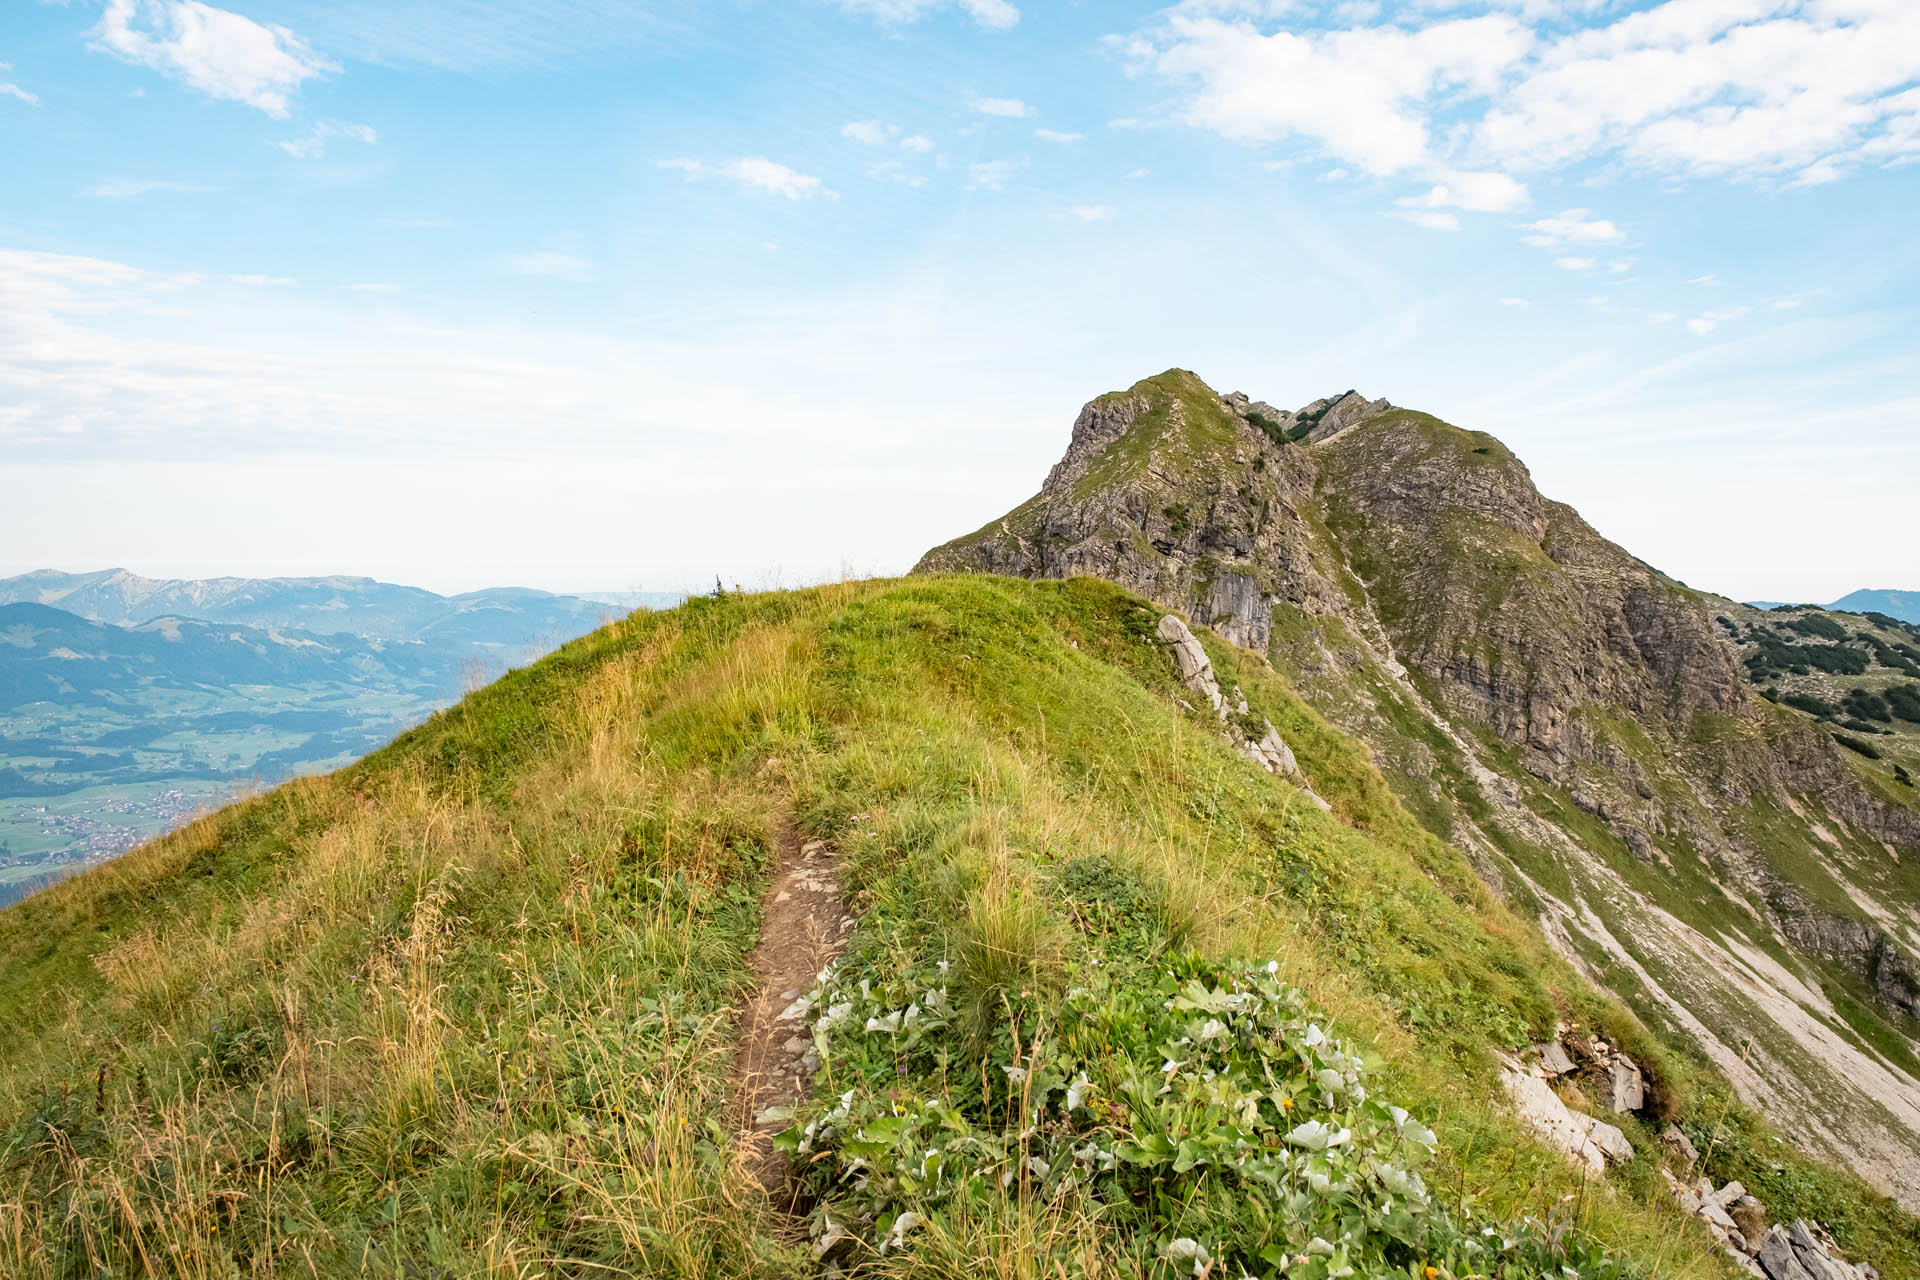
1575 721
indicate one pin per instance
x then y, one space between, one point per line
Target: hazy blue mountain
497 623
128 703
50 655
1904 605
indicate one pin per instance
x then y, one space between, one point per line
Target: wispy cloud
313 143
1515 302
264 282
1573 227
869 133
8 89
990 175
550 264
1431 219
918 142
1094 212
755 173
994 15
1575 264
129 188
219 53
1707 321
1054 135
1006 108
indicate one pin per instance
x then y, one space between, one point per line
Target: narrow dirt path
804 925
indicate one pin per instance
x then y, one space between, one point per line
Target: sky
631 294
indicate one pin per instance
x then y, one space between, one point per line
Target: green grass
468 1007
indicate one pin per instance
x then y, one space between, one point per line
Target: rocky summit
1576 722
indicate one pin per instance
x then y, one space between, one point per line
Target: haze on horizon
613 295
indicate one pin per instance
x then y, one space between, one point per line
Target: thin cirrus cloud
219 53
313 144
994 15
755 173
1798 92
1005 108
1055 135
550 264
872 133
8 89
132 188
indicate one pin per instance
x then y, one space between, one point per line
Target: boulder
1554 1059
1779 1259
1587 1141
1815 1256
1629 1087
1196 668
1679 1146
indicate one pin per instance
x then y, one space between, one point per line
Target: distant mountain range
1904 605
498 622
126 702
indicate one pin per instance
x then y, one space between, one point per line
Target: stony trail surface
804 926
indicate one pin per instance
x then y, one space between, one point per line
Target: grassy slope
466 1007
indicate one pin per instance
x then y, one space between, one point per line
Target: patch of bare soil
804 925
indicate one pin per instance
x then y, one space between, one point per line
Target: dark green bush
1812 705
1866 749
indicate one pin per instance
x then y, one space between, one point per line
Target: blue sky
614 294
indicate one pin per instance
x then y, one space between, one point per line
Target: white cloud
374 286
1795 91
1574 264
222 54
1708 280
1054 135
1362 94
1094 212
1515 302
313 144
1707 321
1431 219
990 175
756 173
264 282
128 188
916 143
8 89
1475 192
1009 108
895 172
1136 174
550 264
1573 227
994 15
866 132
1619 265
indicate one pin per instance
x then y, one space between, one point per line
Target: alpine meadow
959 639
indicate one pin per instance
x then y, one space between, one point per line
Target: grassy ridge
467 1007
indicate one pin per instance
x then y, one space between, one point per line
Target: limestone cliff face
1569 716
1166 490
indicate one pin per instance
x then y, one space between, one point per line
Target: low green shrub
1866 749
1202 1111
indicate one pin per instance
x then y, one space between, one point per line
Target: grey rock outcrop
1269 750
1588 1141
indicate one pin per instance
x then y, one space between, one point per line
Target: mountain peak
1576 719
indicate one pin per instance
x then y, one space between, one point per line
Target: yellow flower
1431 1272
1286 1104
